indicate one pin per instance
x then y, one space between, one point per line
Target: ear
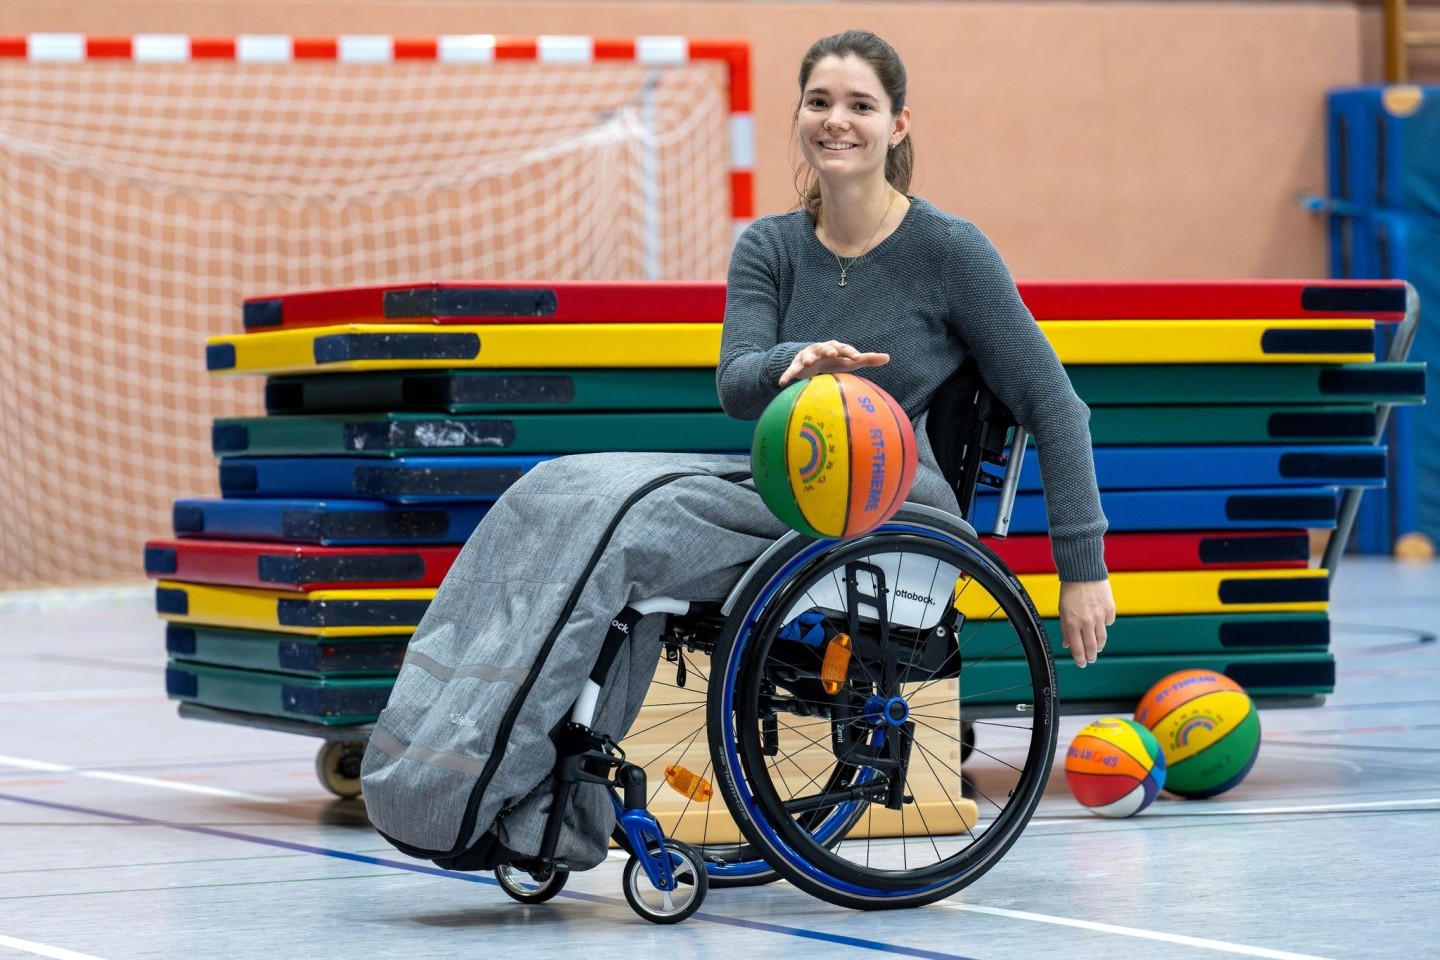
901 126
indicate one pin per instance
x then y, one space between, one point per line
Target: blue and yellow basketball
1114 767
1208 728
833 456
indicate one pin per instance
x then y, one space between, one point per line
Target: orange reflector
685 782
836 667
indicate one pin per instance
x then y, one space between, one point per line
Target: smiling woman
866 278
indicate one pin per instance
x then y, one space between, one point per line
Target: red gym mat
696 302
492 301
1213 299
244 563
1030 553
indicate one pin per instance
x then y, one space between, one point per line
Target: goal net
141 202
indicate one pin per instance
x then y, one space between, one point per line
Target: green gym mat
485 391
1118 385
1209 633
396 434
1127 678
285 653
323 700
1327 423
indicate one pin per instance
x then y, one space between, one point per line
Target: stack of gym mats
1226 416
1213 466
395 418
1384 180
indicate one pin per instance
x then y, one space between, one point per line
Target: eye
816 103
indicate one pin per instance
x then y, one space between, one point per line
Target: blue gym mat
1178 468
1224 509
327 522
401 480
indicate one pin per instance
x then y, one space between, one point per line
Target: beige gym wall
1089 140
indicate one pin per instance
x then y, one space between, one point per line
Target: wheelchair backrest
968 426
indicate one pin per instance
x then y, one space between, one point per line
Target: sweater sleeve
1021 367
751 359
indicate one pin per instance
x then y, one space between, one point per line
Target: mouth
836 145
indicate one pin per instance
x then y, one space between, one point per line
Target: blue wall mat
327 522
1178 468
402 480
1383 147
1391 244
1226 509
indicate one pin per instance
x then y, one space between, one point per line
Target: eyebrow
851 94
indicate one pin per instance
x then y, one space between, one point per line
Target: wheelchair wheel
838 744
670 736
668 906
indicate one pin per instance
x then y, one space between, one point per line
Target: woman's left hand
1086 609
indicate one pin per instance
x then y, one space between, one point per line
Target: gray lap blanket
464 748
458 766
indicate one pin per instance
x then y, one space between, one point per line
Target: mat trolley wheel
337 766
841 758
519 884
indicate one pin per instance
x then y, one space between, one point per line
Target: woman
455 765
866 279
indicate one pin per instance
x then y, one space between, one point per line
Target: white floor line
1218 811
157 692
43 949
41 765
1176 938
76 598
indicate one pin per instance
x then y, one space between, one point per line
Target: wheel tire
749 659
729 864
520 885
337 766
659 906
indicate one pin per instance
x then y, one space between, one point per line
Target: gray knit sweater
929 294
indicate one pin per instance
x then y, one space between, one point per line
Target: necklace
843 265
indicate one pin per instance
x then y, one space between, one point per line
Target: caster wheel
520 885
967 739
338 767
668 906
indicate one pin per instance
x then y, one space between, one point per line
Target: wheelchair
830 701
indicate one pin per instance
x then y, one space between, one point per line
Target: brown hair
900 159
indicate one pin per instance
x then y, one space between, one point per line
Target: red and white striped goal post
453 50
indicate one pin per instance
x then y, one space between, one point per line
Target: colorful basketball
833 456
1114 767
1208 728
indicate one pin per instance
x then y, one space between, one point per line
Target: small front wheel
337 765
668 906
521 885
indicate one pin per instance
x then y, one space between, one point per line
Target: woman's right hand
832 356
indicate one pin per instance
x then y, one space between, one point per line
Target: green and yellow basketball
1207 725
833 456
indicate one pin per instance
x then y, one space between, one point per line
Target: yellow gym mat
1151 592
362 346
321 613
354 347
1083 342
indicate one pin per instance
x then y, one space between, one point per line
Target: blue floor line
799 932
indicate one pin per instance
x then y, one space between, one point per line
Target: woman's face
845 124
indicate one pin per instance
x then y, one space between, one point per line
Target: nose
834 119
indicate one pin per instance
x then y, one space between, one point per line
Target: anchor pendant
842 277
